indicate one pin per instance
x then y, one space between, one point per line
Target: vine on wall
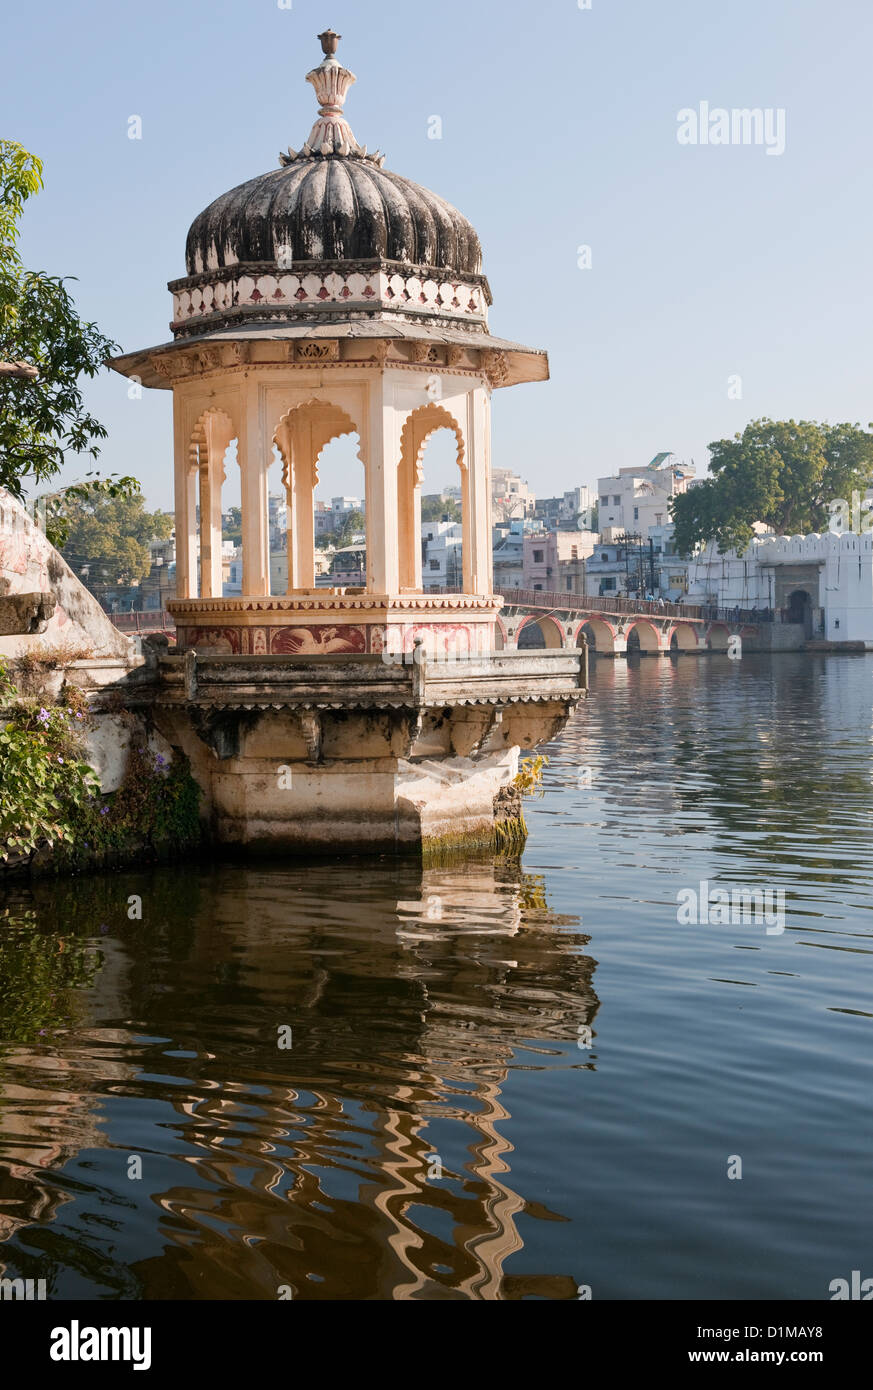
50 798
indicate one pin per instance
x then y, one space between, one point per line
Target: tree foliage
42 419
44 779
108 530
434 508
781 473
353 525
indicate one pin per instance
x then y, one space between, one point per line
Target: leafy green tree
434 508
781 473
109 535
232 528
353 524
42 417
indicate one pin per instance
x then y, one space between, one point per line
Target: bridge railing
656 608
144 622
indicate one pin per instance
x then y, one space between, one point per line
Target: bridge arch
717 635
536 633
647 634
501 636
683 638
600 635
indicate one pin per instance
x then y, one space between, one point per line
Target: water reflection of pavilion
309 1168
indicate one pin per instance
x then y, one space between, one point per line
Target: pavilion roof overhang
506 363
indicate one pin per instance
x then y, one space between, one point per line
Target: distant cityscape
617 541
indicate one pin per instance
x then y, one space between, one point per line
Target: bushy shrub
45 781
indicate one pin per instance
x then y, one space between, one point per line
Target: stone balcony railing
363 681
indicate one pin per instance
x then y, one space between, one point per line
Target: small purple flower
79 715
43 716
160 762
60 759
103 929
104 811
43 1032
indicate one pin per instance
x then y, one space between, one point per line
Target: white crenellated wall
844 581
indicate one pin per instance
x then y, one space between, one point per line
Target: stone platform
357 753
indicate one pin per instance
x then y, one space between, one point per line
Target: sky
725 283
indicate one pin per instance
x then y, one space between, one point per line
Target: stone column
477 496
409 510
213 444
303 482
381 451
186 506
253 478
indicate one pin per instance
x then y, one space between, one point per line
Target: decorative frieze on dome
249 294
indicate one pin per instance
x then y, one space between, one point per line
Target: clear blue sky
559 129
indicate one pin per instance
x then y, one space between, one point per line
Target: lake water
503 1081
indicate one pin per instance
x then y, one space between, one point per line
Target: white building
511 498
508 555
442 565
824 582
635 499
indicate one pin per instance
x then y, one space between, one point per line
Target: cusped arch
418 427
213 432
324 422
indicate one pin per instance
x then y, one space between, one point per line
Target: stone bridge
532 618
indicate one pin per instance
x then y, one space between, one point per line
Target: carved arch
210 441
213 426
301 436
418 427
326 421
420 424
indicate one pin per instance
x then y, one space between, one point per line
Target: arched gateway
332 297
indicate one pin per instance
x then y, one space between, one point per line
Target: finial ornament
331 133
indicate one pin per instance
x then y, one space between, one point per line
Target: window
538 557
636 513
607 583
604 501
659 518
538 586
616 501
604 557
434 564
569 585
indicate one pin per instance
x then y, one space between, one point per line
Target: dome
332 207
332 258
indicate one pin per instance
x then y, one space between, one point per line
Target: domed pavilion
332 297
